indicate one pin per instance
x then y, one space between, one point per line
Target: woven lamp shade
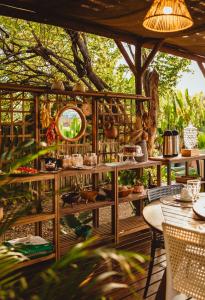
168 16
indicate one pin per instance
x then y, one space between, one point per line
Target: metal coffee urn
175 142
168 144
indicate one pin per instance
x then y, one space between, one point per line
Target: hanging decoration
168 16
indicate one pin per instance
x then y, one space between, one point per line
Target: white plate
178 198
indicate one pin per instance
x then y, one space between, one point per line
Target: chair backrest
158 192
185 251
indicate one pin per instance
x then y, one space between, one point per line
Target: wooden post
95 177
138 65
115 217
56 222
169 181
187 168
201 67
159 179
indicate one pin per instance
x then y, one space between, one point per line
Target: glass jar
190 136
67 162
77 160
90 159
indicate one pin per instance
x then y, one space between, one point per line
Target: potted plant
139 187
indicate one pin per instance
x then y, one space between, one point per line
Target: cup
194 187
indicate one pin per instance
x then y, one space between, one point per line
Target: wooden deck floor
140 243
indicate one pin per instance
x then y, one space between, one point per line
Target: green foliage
9 260
80 224
201 140
177 110
129 177
107 61
170 69
72 130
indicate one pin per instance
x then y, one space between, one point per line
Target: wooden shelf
102 233
75 172
134 197
131 225
96 170
24 179
35 218
139 165
177 159
84 207
99 204
30 262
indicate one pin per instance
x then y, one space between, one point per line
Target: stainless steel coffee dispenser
168 143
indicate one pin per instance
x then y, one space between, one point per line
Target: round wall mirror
70 123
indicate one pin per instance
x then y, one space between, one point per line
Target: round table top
157 212
153 215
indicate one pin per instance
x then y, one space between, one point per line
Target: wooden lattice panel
17 123
122 113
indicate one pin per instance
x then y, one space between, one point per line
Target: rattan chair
157 237
185 252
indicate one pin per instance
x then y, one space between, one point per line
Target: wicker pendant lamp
168 16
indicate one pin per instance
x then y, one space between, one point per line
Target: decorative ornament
50 133
45 115
87 109
190 136
79 87
168 16
110 131
58 85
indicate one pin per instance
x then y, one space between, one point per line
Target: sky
194 82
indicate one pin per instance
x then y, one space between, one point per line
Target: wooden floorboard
140 243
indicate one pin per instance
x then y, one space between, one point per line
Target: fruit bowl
24 171
123 191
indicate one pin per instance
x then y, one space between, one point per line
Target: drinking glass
194 186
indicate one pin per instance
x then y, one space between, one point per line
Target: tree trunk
151 83
84 65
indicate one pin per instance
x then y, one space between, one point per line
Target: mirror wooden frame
83 124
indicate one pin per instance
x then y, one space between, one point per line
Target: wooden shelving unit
105 106
110 232
77 208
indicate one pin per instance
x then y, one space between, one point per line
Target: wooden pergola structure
121 21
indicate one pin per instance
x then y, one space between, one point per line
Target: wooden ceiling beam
72 23
202 68
102 30
170 49
151 56
192 30
126 57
